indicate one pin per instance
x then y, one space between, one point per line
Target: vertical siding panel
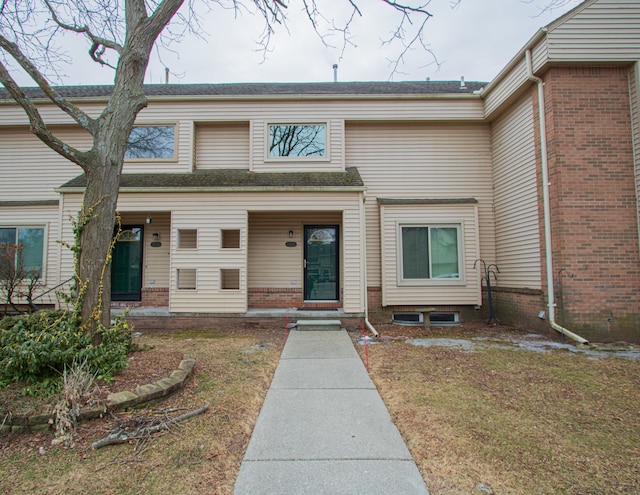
222 145
426 160
516 201
606 30
30 170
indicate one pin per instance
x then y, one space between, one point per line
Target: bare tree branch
70 109
98 43
38 126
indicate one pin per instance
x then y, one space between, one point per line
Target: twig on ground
140 427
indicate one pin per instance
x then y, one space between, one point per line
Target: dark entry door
321 271
126 265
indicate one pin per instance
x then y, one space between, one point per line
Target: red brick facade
592 201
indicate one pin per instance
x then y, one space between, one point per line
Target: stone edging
119 400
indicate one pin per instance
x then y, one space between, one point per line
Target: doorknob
304 264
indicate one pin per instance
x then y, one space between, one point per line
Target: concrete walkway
323 428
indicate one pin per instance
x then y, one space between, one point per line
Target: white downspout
363 250
545 204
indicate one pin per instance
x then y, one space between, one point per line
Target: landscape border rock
115 401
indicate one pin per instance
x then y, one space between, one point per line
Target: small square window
230 239
187 238
186 278
230 279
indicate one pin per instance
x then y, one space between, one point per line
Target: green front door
321 273
126 265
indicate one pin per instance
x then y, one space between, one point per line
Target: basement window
444 318
408 318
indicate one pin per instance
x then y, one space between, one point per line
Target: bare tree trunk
104 170
96 223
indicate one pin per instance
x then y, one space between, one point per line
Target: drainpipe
545 204
363 250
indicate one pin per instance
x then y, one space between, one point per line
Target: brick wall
265 297
155 296
593 201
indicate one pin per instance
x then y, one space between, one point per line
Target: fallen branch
121 435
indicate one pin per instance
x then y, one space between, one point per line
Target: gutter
363 250
545 204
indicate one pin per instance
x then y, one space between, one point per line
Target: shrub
35 348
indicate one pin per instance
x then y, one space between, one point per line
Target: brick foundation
155 296
265 297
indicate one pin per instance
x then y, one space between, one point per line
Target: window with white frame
296 141
429 252
151 142
22 250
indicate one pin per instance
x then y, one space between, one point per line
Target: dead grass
201 455
518 422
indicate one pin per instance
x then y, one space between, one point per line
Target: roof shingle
373 88
234 178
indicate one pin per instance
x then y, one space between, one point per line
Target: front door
126 265
321 273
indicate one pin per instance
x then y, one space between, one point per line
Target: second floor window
297 140
150 142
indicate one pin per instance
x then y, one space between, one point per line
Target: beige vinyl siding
429 107
595 32
271 263
437 291
209 214
222 145
601 31
29 169
421 161
183 151
39 216
516 201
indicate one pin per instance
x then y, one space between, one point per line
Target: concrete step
318 325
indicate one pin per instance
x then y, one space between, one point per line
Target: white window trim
327 147
45 243
173 159
423 282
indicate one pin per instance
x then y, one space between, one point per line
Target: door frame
305 229
133 296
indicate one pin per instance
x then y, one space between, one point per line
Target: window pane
415 249
30 257
296 140
151 141
7 260
444 252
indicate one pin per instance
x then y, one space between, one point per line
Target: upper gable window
297 141
151 142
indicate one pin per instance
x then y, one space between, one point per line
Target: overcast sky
475 39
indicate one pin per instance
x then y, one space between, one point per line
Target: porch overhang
232 180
